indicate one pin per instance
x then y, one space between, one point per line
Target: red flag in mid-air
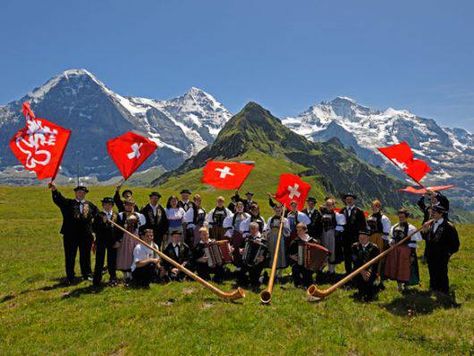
292 188
40 145
226 175
402 156
129 151
423 191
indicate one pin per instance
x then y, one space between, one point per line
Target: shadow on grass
415 302
90 289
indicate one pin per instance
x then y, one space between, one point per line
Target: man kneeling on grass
146 264
362 252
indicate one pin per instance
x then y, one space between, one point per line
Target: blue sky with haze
286 55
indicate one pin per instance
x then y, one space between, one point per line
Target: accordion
253 250
218 253
312 256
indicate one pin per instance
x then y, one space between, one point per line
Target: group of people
208 242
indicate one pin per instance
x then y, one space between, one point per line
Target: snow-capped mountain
449 151
76 99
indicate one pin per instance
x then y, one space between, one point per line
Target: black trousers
71 244
143 276
367 289
301 276
347 249
101 249
250 275
438 270
204 271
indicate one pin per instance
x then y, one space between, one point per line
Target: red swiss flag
226 175
292 188
129 151
402 156
40 145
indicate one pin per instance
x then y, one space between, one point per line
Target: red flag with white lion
40 145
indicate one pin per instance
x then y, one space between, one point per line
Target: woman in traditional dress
195 219
234 226
401 263
331 237
379 229
175 215
131 221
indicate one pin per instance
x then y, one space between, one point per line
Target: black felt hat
81 187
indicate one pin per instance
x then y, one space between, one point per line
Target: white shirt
154 208
141 252
211 213
340 221
81 205
141 220
286 226
414 239
301 217
349 209
176 249
175 213
108 214
437 223
228 224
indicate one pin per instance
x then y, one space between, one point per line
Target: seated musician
179 252
146 264
302 277
201 260
402 263
254 255
362 252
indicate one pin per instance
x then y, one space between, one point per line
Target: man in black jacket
76 229
441 242
155 216
355 222
179 252
315 227
106 236
362 252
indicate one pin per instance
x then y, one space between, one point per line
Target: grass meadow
38 315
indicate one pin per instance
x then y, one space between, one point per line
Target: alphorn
314 291
236 294
266 295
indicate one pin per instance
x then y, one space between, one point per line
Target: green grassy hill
255 134
38 315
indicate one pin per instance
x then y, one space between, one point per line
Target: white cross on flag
292 188
226 175
129 151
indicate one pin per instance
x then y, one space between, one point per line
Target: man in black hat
355 222
185 202
179 252
155 216
127 194
315 227
78 214
441 242
106 236
362 252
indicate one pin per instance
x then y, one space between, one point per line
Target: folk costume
254 259
106 237
355 222
441 242
204 267
271 234
77 231
131 221
331 237
401 264
215 219
379 227
194 218
361 254
156 219
181 253
301 275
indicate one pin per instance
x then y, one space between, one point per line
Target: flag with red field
292 188
226 175
402 156
129 151
40 145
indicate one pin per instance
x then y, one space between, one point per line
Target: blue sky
286 55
